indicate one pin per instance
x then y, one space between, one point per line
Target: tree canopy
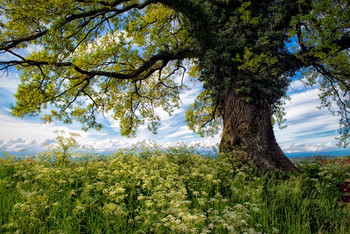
128 57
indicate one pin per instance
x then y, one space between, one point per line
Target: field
173 190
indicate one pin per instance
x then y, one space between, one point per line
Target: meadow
172 190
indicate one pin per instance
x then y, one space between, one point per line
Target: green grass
174 190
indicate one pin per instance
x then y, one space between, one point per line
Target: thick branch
108 9
143 72
307 54
101 11
12 44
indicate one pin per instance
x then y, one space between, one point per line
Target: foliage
95 37
125 57
333 171
324 32
174 190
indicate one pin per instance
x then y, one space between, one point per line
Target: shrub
155 190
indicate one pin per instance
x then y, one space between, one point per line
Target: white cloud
9 82
189 96
32 48
207 142
309 128
298 85
110 144
3 19
183 130
13 128
20 144
298 148
17 133
163 114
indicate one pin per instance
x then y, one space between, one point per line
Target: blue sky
309 129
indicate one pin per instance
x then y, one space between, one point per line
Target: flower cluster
145 190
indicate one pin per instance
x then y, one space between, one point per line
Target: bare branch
328 75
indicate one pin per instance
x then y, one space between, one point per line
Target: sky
310 130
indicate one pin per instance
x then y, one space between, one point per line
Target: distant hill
343 152
309 159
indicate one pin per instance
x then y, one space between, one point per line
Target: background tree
125 57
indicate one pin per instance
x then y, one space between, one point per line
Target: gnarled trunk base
248 133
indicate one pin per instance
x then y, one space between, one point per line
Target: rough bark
248 133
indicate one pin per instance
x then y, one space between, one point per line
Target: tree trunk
248 133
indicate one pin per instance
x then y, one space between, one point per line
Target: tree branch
307 54
213 115
143 72
12 44
107 8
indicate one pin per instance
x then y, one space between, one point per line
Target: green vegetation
173 190
129 59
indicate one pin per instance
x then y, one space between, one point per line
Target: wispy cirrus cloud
298 148
309 129
9 82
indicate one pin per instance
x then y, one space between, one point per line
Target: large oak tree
124 56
